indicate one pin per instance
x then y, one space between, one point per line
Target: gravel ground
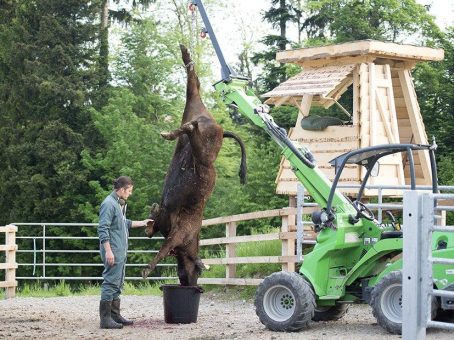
220 317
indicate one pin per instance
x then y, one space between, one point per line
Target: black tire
285 302
386 303
330 313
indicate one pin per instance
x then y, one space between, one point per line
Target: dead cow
189 182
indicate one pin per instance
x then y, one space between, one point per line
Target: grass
38 289
250 270
43 290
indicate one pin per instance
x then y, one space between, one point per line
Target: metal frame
417 285
379 206
44 250
369 162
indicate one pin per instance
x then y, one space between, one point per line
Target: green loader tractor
355 259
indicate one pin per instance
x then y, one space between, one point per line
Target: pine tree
47 80
279 17
122 16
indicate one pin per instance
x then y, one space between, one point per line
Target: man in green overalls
113 231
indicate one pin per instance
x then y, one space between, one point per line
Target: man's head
123 187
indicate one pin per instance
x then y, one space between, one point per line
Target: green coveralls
113 227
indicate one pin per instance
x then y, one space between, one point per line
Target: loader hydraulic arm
235 90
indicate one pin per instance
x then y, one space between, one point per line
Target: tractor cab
369 157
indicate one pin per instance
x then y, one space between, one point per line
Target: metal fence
305 207
421 211
41 251
38 243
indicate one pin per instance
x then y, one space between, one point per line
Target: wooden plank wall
324 145
386 111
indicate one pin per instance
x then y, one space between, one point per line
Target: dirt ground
219 318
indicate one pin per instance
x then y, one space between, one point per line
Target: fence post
299 222
230 251
10 264
288 245
412 272
44 252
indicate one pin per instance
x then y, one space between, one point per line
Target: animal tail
243 166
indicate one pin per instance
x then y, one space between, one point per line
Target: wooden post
288 246
10 266
417 124
230 231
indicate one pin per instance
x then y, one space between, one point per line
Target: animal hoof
145 273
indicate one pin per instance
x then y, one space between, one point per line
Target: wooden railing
10 264
287 235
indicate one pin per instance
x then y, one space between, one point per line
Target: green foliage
434 84
145 63
45 81
133 118
44 290
279 15
132 146
264 248
348 20
147 288
37 289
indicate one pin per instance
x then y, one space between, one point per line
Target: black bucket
181 303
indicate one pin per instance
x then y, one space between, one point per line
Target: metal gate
421 211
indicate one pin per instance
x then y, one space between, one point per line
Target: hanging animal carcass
189 182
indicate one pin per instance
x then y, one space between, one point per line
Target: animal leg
181 270
185 128
171 242
190 269
200 266
189 263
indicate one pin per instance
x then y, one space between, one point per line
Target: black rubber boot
116 316
105 314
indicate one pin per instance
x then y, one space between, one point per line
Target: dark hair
122 182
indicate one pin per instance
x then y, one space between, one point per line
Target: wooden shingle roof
320 81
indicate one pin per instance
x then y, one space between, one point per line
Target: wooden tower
385 108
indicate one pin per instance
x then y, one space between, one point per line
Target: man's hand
110 258
139 224
145 222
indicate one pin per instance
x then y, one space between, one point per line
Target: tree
144 103
46 81
434 83
346 20
145 64
274 73
123 16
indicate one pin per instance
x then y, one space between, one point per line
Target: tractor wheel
285 302
330 313
386 302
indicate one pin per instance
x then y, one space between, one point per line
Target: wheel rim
279 303
391 303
